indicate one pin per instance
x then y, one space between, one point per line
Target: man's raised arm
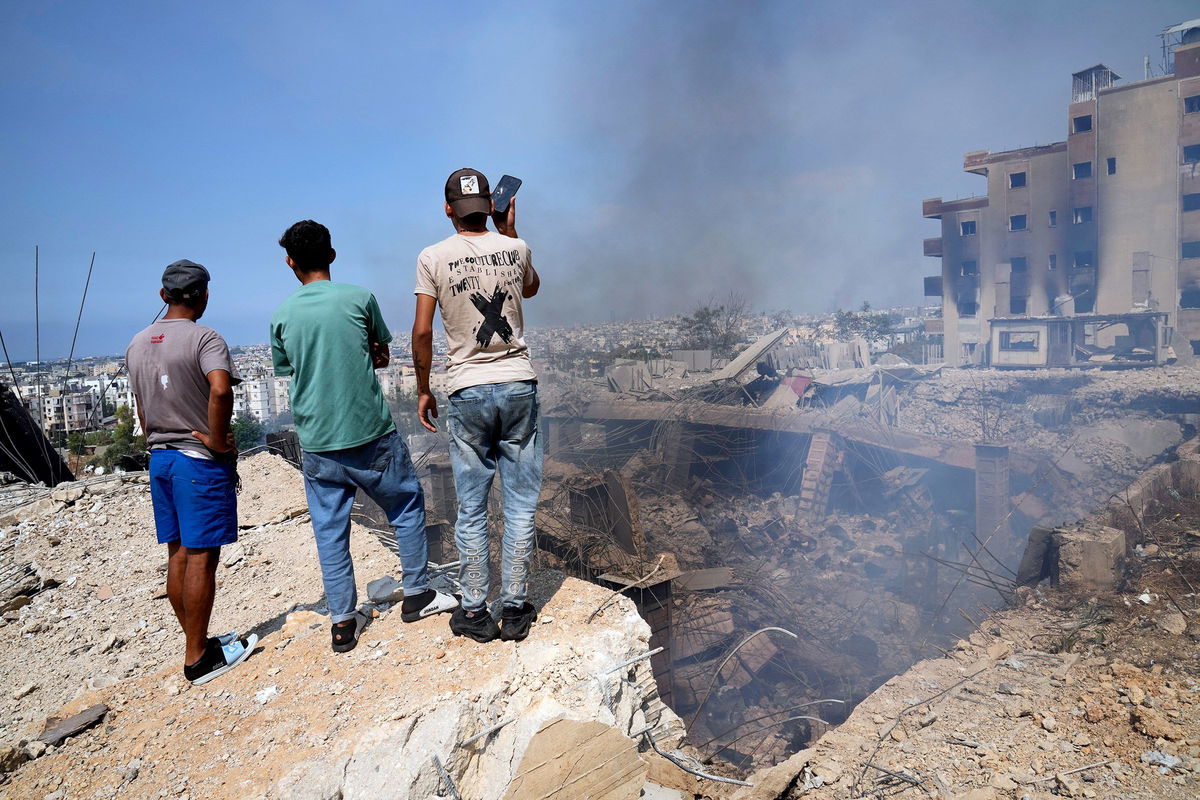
422 351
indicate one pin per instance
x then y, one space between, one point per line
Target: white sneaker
441 602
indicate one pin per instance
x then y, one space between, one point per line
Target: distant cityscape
85 394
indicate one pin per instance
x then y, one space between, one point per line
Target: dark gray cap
184 279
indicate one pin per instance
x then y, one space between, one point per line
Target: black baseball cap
467 192
184 280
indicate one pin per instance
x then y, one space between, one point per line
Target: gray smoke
707 113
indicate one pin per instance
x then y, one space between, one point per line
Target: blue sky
671 152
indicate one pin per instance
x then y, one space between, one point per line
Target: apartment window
1016 180
1081 170
1191 104
967 228
1016 222
1112 166
970 268
1017 305
1053 264
1084 259
1020 264
1189 298
1191 154
1191 249
968 309
1081 215
1019 340
1081 124
1191 202
1053 219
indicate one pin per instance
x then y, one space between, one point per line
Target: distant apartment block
1102 228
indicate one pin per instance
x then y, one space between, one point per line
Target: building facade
1105 223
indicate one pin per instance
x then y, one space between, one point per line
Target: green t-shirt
321 336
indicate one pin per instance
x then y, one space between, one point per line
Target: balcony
934 207
933 247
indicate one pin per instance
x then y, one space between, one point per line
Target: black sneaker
219 659
477 625
516 622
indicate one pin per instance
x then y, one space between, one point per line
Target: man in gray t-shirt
183 378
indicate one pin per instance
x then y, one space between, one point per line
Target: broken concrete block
572 758
67 493
1089 556
59 729
384 590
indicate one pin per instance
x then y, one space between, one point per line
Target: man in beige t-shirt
478 279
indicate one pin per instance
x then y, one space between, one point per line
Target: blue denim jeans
383 470
494 427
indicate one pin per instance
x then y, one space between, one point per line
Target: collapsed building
874 513
1103 227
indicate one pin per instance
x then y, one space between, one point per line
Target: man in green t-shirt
330 338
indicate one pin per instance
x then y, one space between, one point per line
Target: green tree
124 443
75 443
247 432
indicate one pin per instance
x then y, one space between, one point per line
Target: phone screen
504 192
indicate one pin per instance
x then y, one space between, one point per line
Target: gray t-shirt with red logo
168 366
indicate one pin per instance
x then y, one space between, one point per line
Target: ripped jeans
493 428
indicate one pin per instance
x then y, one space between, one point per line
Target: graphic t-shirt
168 367
477 281
321 337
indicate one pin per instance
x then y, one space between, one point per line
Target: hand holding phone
504 192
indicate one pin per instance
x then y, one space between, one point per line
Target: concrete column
992 494
676 445
823 460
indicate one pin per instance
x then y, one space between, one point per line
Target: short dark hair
308 245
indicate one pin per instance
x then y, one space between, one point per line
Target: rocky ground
295 720
101 614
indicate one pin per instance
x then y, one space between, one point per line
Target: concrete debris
57 730
385 590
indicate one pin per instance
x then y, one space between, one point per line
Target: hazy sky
671 152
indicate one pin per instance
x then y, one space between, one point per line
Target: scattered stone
1150 723
101 681
232 554
384 590
1173 622
264 696
104 593
11 758
24 691
1049 723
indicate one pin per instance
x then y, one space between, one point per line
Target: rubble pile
853 588
1061 695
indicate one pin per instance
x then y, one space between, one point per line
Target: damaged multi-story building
1087 250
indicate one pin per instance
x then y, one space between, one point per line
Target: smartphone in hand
504 192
